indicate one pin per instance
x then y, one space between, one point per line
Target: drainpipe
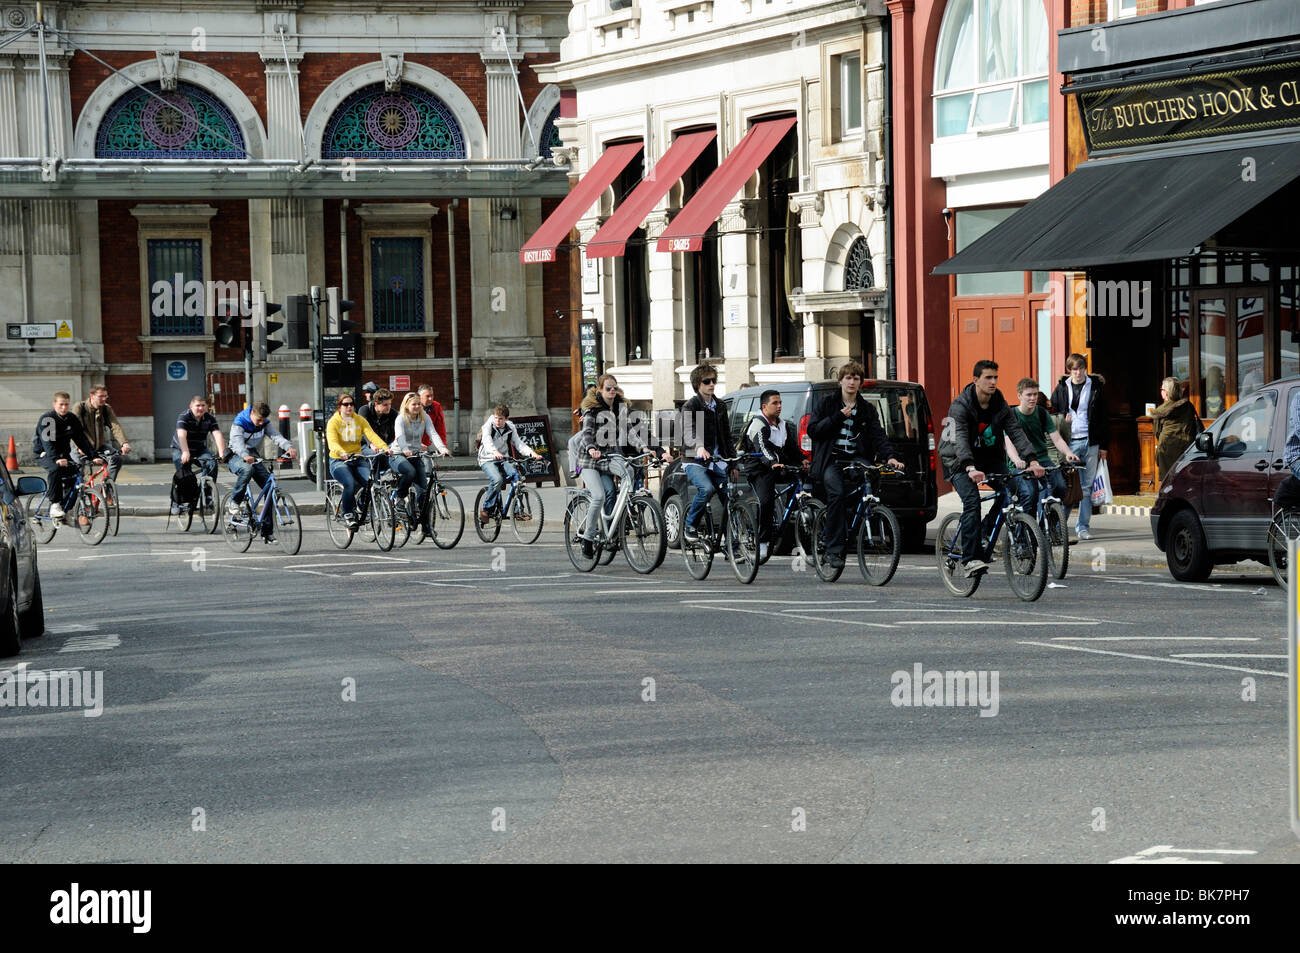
887 188
455 346
343 248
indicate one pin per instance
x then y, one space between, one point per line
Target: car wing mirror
31 485
1205 443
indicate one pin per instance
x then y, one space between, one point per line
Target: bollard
304 434
284 421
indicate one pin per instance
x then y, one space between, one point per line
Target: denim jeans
1089 455
405 470
112 456
244 472
351 475
706 483
493 469
1027 490
205 461
601 487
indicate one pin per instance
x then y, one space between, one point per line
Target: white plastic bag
1101 492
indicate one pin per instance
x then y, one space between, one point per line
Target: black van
904 413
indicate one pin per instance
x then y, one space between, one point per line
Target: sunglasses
708 380
345 403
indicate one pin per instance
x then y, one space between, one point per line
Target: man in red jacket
434 410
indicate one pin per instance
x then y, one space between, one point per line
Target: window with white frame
1121 8
850 95
991 66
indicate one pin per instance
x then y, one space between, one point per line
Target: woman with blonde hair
1175 425
413 424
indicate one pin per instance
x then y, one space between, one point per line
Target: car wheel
31 623
673 520
10 639
1186 551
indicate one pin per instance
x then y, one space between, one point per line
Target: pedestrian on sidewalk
1082 398
1175 424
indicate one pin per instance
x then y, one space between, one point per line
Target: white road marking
443 585
988 621
1165 585
1155 638
1149 856
414 572
155 552
782 615
60 628
1221 655
1155 658
91 643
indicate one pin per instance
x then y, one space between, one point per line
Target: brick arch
146 71
430 80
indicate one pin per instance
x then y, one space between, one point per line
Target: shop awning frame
1148 207
686 231
611 240
555 230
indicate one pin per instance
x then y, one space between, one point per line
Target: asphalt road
502 711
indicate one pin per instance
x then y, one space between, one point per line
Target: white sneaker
56 511
762 551
1084 534
233 508
974 566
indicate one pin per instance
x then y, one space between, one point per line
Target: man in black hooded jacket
972 447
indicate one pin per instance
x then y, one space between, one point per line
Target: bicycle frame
265 500
626 489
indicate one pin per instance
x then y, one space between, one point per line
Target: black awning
1136 208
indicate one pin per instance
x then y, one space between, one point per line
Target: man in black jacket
771 448
706 435
56 432
972 447
1082 398
844 427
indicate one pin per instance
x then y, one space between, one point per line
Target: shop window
397 284
173 262
991 66
972 224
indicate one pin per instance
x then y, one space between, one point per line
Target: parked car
22 611
904 413
1215 505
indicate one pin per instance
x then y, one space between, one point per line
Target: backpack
575 462
185 488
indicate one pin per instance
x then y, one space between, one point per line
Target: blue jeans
492 469
1027 490
405 471
205 461
351 475
706 483
1088 454
244 472
601 487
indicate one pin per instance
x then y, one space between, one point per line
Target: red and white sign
399 382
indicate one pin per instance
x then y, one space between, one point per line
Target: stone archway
545 104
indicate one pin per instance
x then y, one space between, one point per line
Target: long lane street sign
19 332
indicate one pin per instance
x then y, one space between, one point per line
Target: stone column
666 351
813 240
739 243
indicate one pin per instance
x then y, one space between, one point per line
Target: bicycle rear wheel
207 505
1285 527
527 515
43 525
184 518
381 521
288 525
1026 557
402 515
698 553
879 545
91 517
742 542
446 517
1058 538
238 528
339 532
644 541
487 531
947 551
575 517
805 515
821 559
108 491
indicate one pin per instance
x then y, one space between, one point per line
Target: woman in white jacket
411 425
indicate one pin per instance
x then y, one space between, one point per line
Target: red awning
686 233
611 240
541 247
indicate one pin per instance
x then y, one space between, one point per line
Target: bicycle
440 505
1025 552
803 507
1050 516
635 525
523 506
738 536
106 487
1283 527
205 504
273 515
879 538
372 510
89 511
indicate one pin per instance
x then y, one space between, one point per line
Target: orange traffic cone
11 461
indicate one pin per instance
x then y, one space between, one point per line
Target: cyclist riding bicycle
344 433
606 435
102 428
381 416
246 435
411 428
972 447
191 438
772 452
706 435
844 428
57 431
496 438
1039 427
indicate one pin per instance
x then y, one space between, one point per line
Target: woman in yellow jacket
344 434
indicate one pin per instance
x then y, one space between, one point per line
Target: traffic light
227 331
296 321
263 328
338 306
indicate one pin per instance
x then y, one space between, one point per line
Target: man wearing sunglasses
706 435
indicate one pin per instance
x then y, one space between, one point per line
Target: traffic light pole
318 382
248 371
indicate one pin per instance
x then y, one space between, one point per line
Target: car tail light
934 453
805 442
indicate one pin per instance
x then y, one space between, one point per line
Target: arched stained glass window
549 138
375 124
188 123
858 273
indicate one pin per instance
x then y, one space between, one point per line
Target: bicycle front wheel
207 505
288 526
821 558
91 517
742 542
109 493
698 552
1058 538
526 515
43 525
488 529
804 517
947 551
575 517
1285 527
879 545
644 541
446 518
238 528
340 535
1026 556
381 522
